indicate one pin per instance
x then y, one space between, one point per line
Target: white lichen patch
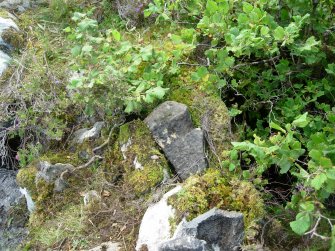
124 148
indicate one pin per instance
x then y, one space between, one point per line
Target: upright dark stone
171 125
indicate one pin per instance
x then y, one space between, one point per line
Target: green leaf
315 154
232 167
301 120
301 224
75 51
247 7
234 112
116 35
277 127
157 92
279 33
264 30
318 181
331 173
67 29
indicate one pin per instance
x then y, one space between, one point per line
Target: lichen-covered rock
155 226
17 5
137 156
172 128
51 172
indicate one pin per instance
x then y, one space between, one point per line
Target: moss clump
201 193
137 156
144 180
26 178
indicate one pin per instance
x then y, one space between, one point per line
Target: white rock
155 226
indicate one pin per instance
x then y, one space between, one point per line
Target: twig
109 137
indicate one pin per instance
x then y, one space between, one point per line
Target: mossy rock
139 158
213 189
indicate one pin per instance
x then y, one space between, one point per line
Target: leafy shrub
270 62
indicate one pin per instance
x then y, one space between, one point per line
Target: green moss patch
137 156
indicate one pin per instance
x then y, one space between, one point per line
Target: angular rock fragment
171 125
221 230
187 154
84 134
155 226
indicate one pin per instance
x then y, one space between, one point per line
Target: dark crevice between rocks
13 146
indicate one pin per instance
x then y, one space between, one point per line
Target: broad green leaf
279 33
116 35
301 120
264 30
301 224
331 173
315 154
318 181
247 7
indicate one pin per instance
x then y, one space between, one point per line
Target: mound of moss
137 157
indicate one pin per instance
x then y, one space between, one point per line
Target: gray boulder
172 127
220 230
184 244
